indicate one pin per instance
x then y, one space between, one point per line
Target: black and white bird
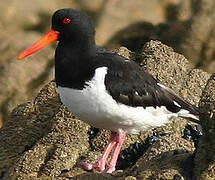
105 89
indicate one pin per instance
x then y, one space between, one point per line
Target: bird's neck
73 64
83 41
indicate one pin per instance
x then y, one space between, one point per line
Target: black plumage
77 57
103 88
125 81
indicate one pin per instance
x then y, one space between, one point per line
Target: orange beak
47 39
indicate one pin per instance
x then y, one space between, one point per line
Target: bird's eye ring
67 20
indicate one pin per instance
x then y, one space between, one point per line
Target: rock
205 153
135 35
94 7
43 140
164 159
173 70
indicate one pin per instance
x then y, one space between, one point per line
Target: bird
105 89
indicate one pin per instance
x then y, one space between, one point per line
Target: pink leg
112 165
100 165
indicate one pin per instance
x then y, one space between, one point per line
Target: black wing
127 83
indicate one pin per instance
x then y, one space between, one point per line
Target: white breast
96 106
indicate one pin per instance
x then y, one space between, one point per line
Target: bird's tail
187 115
186 109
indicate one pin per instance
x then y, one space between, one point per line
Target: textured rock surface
164 159
43 140
205 155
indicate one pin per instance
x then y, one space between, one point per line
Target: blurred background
188 26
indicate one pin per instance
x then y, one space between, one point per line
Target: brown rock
173 70
95 6
164 159
205 155
43 138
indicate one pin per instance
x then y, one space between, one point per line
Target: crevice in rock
49 155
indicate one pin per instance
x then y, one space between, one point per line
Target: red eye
67 20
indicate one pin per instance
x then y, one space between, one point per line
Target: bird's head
67 25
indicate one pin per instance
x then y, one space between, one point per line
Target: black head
69 26
73 25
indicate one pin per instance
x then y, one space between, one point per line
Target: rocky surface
205 154
42 140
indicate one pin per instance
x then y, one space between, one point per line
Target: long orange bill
48 38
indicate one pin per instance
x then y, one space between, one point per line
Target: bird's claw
92 166
96 166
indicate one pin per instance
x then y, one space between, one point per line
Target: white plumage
96 106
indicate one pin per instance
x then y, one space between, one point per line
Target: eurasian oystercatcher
105 89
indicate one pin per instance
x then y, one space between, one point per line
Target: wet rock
193 132
161 161
130 155
93 132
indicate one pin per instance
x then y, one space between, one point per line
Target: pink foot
116 140
98 166
90 166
